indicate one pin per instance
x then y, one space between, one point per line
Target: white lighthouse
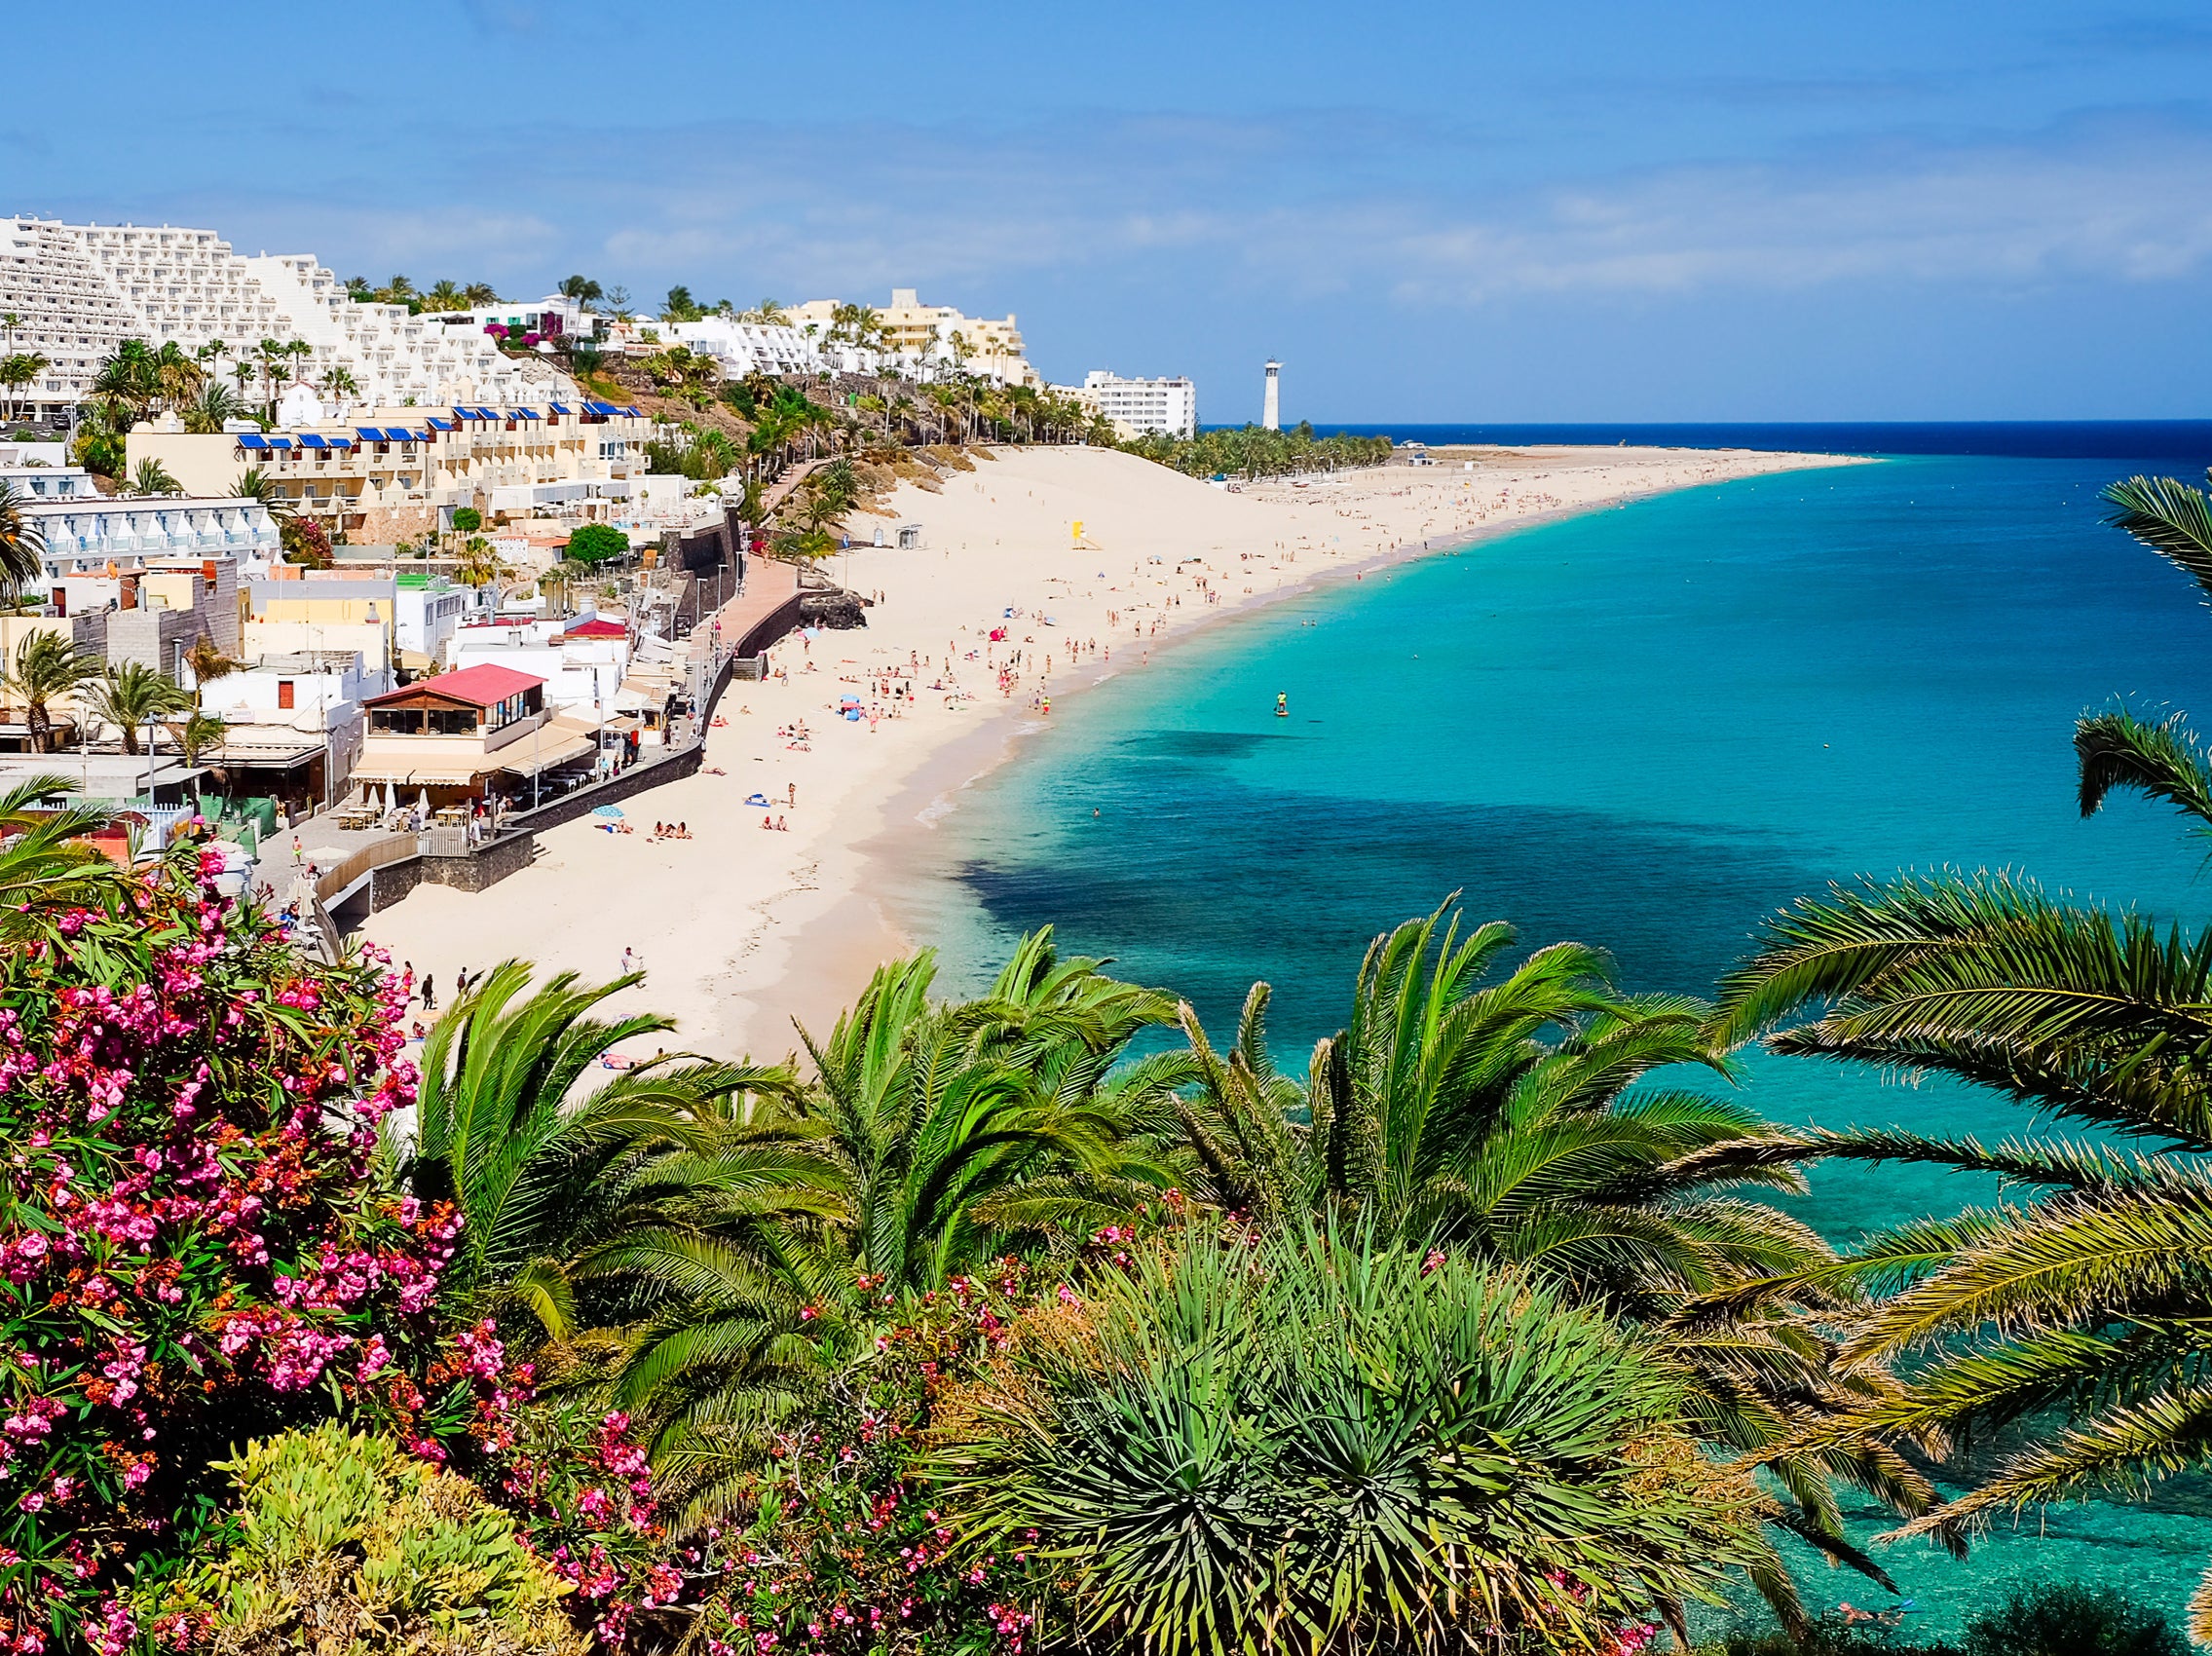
1271 411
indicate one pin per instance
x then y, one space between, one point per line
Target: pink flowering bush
852 1550
190 1249
195 1256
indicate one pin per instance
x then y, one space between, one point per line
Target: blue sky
1711 209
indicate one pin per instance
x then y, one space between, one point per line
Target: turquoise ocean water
1645 728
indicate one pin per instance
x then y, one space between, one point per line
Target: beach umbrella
390 803
422 802
611 811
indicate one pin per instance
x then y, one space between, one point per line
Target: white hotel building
1168 405
80 289
85 531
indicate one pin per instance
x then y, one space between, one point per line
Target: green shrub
2057 1619
596 543
467 520
2069 1619
343 1544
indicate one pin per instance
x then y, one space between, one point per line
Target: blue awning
251 440
559 409
369 433
485 413
308 439
633 413
437 424
602 408
280 442
341 442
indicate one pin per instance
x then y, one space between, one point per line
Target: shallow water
1644 728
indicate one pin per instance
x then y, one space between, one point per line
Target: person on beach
429 993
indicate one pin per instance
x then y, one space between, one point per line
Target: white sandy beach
739 927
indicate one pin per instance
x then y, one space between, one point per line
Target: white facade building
283 704
1168 405
85 531
582 670
80 289
746 348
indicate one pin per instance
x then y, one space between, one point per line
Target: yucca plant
1325 1443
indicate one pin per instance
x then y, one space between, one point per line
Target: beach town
447 628
1401 882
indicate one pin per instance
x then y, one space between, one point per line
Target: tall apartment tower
1271 414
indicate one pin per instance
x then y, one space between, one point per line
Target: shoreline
743 928
882 910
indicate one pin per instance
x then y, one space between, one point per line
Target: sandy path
742 928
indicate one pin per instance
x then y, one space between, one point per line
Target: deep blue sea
1647 728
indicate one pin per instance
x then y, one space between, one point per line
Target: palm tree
932 1138
445 296
132 696
196 733
22 545
48 667
1501 1116
153 478
214 407
1325 1443
273 358
127 380
339 384
177 376
255 484
954 1128
208 662
543 1170
45 861
17 370
479 565
2081 1301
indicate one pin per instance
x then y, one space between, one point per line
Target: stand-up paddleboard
1282 704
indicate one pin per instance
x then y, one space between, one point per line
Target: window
284 693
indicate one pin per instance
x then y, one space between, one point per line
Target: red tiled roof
484 686
597 629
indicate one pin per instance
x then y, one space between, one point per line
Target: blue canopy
437 424
280 442
633 413
485 413
341 442
369 433
559 409
602 408
251 440
308 439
